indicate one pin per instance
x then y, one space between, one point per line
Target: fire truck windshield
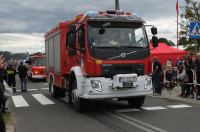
113 34
38 61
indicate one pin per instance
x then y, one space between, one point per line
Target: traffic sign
195 30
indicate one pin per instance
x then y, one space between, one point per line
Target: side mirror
154 30
154 41
102 31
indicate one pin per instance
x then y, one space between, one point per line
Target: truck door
71 49
81 44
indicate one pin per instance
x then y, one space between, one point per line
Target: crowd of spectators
184 73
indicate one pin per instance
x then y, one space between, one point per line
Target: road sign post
195 34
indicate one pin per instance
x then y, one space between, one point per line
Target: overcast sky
23 23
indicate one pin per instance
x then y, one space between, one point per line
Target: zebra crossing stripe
154 108
19 101
32 89
44 88
179 106
42 99
46 84
127 110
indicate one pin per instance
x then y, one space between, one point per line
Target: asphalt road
39 112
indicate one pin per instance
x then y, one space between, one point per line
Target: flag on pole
177 6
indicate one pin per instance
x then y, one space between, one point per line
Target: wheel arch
76 74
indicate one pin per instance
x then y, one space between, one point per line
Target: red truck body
79 67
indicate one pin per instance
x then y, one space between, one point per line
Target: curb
10 128
188 100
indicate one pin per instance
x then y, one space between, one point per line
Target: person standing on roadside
2 90
22 71
157 68
197 69
11 72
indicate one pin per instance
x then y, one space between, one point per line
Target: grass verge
8 121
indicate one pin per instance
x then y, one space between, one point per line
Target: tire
136 102
53 89
78 103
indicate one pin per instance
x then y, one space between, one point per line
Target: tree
164 40
190 13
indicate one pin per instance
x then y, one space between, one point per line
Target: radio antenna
117 5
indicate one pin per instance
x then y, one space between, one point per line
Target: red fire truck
36 66
99 55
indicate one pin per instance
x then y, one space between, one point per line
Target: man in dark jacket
22 71
157 68
2 98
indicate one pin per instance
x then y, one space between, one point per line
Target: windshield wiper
130 47
117 47
109 47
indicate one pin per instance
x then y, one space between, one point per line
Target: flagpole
177 13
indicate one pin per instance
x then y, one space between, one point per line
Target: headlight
148 82
96 85
36 72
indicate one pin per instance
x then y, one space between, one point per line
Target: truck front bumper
110 88
38 76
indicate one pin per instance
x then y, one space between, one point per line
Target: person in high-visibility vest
11 72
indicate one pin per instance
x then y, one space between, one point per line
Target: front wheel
52 89
136 102
78 103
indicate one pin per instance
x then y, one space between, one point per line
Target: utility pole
177 13
117 5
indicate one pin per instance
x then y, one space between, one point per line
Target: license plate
127 79
127 84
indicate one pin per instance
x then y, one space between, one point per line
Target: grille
113 69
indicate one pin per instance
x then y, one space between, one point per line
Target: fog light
148 82
36 72
96 85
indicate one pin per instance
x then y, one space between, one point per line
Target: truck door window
81 37
71 44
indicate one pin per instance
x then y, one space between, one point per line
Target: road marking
127 110
42 99
135 122
46 84
18 90
32 89
44 88
179 106
19 101
154 108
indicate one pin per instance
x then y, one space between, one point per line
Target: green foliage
191 13
164 40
